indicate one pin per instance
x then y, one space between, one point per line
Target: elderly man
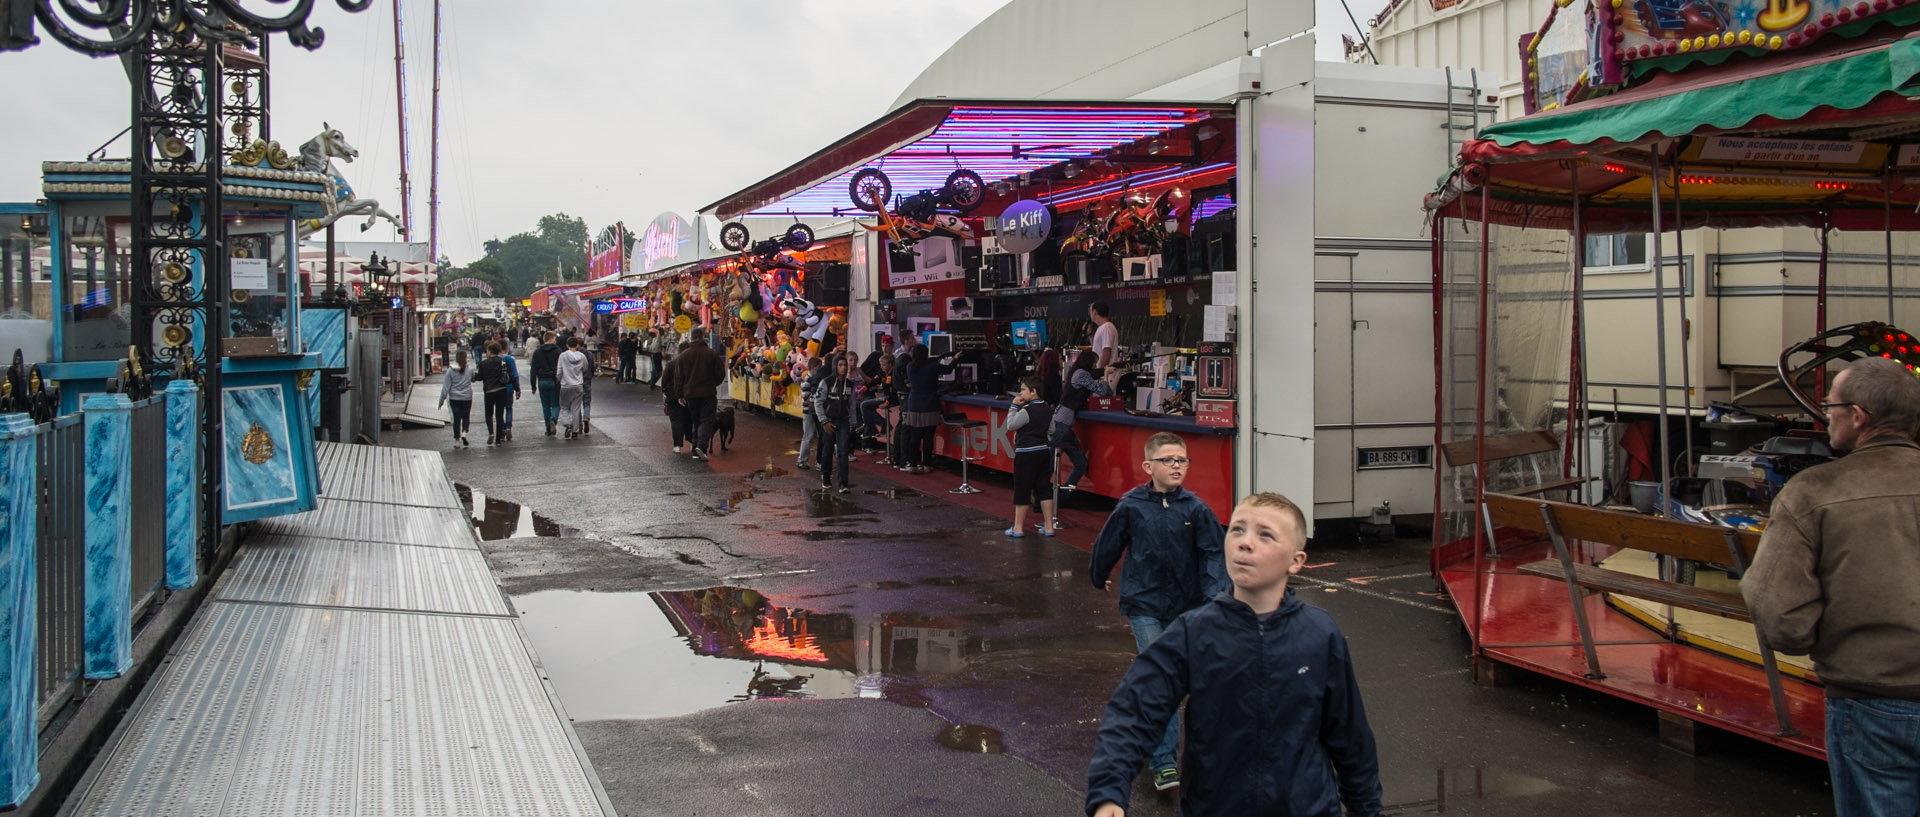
1836 576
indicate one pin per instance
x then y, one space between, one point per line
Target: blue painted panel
183 479
325 333
251 412
109 579
19 613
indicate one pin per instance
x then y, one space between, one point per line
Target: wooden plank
1641 587
1500 447
1558 485
1670 537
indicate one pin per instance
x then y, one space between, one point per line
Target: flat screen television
1029 336
939 344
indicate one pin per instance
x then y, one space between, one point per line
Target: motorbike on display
923 214
735 238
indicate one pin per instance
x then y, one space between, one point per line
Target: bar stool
962 440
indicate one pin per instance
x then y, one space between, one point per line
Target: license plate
1412 456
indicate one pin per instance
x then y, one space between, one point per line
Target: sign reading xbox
1025 226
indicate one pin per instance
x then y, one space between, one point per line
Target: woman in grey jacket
458 389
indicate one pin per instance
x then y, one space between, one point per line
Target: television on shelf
939 344
1030 336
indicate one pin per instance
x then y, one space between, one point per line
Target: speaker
1173 256
1003 270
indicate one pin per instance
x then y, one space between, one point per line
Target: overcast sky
611 110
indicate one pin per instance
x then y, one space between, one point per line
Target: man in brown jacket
698 373
1838 576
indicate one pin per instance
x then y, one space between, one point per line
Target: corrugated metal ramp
355 660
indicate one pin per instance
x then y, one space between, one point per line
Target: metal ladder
1459 120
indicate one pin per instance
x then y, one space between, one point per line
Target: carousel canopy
1799 138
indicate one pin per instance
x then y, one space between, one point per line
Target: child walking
1275 724
1032 464
1173 543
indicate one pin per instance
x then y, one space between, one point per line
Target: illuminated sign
397 302
668 241
1025 226
603 307
627 305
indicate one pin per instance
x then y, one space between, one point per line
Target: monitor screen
1029 336
939 344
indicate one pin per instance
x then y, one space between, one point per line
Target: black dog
723 427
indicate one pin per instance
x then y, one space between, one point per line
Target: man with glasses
1175 549
1835 576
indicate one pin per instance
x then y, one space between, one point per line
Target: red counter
1115 442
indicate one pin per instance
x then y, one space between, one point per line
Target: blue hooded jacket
1175 549
1275 725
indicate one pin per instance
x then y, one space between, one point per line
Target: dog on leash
723 427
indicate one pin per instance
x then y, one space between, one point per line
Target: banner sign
667 241
627 305
468 283
1800 151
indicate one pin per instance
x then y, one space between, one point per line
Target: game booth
986 230
1609 560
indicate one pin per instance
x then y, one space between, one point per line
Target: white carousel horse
317 156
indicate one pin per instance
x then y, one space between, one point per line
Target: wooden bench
1564 522
1465 453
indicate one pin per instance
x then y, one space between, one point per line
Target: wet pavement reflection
968 737
497 519
663 654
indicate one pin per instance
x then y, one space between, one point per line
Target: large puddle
499 519
654 655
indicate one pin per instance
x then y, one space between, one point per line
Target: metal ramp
355 660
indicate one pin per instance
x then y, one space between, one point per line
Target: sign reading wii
930 260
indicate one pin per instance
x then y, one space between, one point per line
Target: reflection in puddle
652 655
897 493
768 471
732 502
968 737
499 519
822 504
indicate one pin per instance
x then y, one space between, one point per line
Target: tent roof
1850 97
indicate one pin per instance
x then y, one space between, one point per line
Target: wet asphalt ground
731 640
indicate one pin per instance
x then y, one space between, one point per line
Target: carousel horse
316 156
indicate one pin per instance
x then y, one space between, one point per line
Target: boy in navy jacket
1172 543
1275 725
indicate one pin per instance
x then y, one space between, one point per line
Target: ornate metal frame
129 24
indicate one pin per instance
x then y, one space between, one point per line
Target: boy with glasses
1174 546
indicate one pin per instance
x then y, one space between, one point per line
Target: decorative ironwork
123 26
247 106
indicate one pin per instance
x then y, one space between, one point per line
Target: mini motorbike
923 214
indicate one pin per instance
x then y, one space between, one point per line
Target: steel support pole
1480 422
1660 320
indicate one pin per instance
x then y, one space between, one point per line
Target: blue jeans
1873 749
1064 441
809 436
549 399
834 448
1147 629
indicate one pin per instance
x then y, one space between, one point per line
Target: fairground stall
1599 539
987 229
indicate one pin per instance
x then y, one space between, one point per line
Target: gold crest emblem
257 446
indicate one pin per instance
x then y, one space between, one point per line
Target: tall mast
433 186
400 101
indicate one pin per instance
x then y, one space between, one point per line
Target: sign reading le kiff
1025 226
